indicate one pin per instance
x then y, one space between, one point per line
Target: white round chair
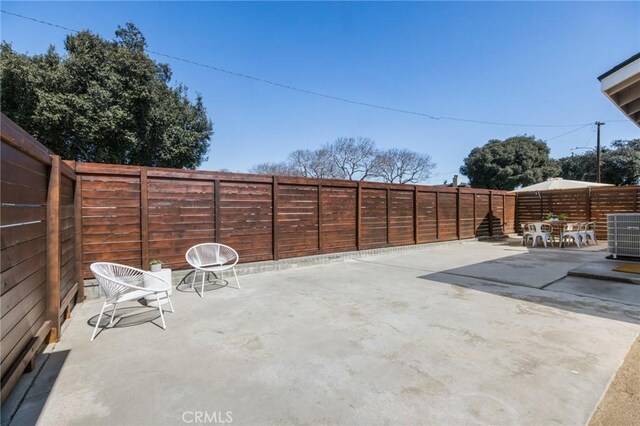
211 257
121 283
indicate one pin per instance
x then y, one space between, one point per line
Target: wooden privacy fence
132 214
585 205
40 260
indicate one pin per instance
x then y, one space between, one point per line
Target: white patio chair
571 231
527 232
122 283
212 257
588 232
543 231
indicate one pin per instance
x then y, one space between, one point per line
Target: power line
566 133
316 93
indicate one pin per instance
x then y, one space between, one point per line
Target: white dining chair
588 233
571 233
542 231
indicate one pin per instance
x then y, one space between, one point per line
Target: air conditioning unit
623 231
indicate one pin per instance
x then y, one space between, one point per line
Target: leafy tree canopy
105 101
620 164
516 161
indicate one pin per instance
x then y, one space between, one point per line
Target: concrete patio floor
470 333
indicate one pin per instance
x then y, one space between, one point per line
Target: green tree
579 167
516 161
620 164
105 101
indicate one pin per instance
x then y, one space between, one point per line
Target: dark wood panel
21 233
15 343
13 255
374 222
401 217
297 218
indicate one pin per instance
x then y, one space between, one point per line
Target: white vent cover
623 232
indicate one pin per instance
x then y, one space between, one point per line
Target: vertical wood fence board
53 250
144 218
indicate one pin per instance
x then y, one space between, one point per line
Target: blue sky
533 63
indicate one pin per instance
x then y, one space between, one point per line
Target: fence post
516 215
458 213
504 213
588 204
216 209
144 217
437 215
274 217
77 225
319 217
475 225
415 214
490 213
388 215
541 205
53 250
358 214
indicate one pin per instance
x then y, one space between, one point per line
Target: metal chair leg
237 280
95 330
204 274
113 313
164 326
170 304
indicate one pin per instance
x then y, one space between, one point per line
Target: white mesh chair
122 283
571 231
211 257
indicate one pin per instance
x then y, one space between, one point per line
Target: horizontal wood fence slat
580 205
39 270
131 214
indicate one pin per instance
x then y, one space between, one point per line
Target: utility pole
598 124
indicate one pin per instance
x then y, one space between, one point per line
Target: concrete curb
603 270
91 286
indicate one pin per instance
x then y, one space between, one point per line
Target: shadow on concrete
540 276
212 282
36 387
128 316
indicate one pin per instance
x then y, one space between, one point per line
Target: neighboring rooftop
621 84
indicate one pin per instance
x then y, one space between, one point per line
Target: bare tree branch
404 166
353 158
281 168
